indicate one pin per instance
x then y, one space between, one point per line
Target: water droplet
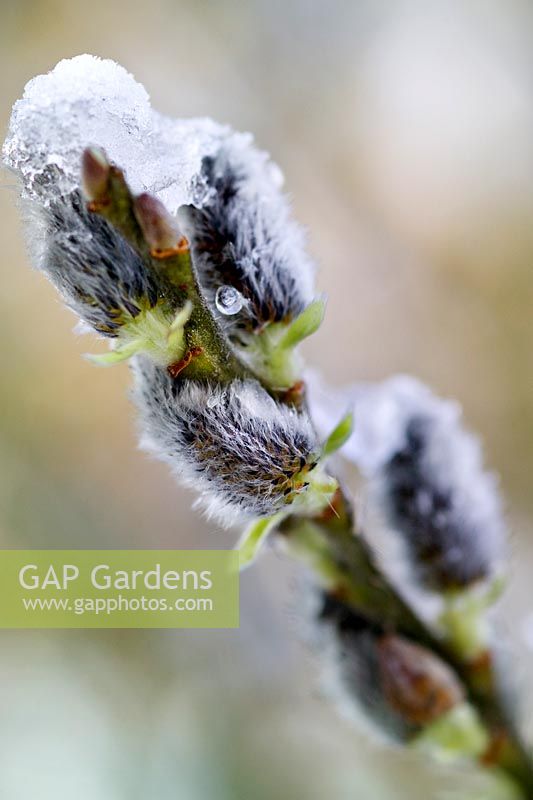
228 300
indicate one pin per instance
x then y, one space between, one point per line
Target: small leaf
116 356
457 732
304 325
175 332
253 538
339 436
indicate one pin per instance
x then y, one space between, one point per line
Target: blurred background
405 132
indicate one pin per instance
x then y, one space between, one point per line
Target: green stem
212 358
345 566
339 557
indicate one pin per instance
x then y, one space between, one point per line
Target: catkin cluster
247 452
173 240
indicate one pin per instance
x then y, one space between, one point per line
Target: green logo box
119 589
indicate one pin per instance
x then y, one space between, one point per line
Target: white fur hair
426 484
243 236
233 443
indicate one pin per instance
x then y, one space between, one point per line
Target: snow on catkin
425 478
248 254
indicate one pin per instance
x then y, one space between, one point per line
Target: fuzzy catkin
243 237
227 190
399 684
244 453
97 272
426 485
449 538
